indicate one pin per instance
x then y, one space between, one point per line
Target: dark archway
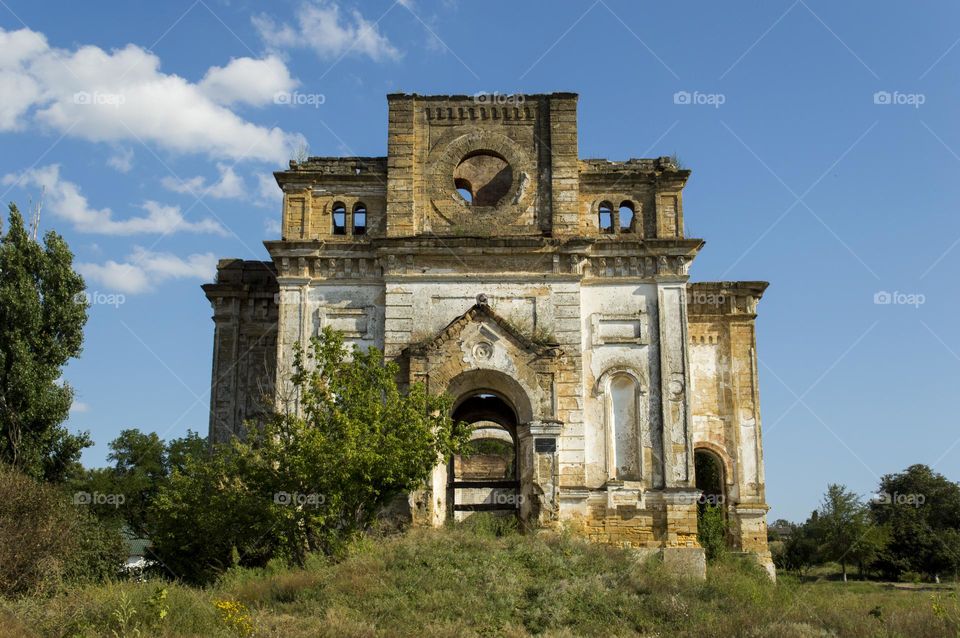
485 478
712 527
708 470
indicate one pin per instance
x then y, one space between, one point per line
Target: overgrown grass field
474 582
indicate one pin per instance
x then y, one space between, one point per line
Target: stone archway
486 396
710 477
480 354
485 476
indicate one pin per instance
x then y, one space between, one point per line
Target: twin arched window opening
620 222
341 221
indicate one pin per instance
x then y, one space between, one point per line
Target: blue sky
154 128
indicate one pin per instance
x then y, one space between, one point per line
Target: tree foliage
42 314
46 540
712 531
314 476
841 530
921 508
801 550
843 527
141 463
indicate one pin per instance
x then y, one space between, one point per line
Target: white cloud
123 96
121 160
19 90
79 407
269 194
144 269
247 81
64 199
230 185
272 226
321 27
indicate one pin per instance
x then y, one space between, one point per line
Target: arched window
626 217
605 218
360 219
339 218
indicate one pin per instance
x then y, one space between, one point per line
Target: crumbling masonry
546 293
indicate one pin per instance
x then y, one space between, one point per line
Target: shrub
45 540
308 480
712 531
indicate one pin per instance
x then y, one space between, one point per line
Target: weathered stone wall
726 401
311 189
617 369
244 300
651 187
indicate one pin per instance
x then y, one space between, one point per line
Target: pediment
483 319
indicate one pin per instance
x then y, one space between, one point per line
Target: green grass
484 580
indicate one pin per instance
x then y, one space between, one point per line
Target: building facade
547 294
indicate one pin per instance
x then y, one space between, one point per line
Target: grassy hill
469 582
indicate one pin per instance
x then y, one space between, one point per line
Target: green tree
921 508
801 550
141 463
42 314
310 479
844 528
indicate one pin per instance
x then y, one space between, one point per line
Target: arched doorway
485 477
712 530
710 479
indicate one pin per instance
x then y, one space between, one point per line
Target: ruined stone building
547 294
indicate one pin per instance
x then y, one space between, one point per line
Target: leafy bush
45 540
712 531
308 480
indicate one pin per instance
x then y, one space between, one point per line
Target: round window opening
483 179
